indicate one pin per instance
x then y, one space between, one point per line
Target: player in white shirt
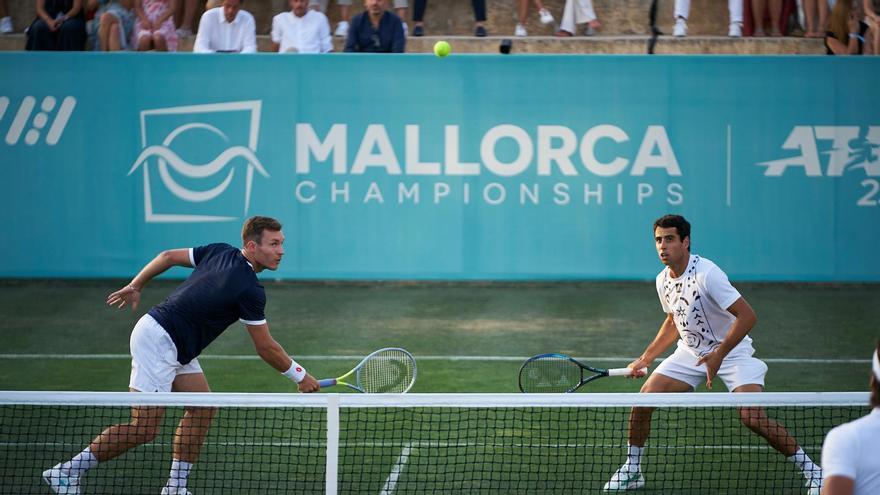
710 321
301 30
227 29
850 452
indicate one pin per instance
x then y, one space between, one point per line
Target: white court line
408 446
394 475
345 357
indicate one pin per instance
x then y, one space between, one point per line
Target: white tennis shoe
623 479
814 483
61 481
175 490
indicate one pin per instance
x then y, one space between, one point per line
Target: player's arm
131 293
838 485
666 336
744 322
274 355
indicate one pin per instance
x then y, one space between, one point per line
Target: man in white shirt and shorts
852 466
710 321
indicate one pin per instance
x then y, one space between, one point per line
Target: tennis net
422 443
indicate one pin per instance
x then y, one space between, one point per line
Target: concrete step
632 44
455 17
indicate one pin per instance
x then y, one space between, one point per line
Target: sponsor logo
32 122
222 137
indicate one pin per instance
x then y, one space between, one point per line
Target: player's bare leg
756 419
190 434
114 441
629 476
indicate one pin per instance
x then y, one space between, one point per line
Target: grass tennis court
59 336
831 323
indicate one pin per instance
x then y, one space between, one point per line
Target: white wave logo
48 107
167 160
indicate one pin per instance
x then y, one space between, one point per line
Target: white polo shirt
215 34
851 451
307 34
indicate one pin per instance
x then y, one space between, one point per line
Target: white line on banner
394 475
345 357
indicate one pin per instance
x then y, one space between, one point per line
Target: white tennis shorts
154 358
736 369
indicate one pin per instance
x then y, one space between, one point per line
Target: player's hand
637 367
308 384
713 364
127 294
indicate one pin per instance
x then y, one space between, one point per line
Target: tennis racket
389 370
558 373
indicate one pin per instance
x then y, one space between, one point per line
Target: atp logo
848 148
221 139
49 111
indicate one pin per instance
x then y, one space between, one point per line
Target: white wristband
295 372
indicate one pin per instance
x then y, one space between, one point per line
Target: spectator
376 30
112 26
846 32
301 30
5 20
578 12
758 17
60 25
522 11
811 8
683 8
186 28
154 29
849 454
872 19
479 14
227 29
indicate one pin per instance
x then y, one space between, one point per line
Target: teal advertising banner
469 167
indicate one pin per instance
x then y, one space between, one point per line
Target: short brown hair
682 226
254 226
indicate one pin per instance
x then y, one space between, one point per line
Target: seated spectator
113 23
60 25
811 9
578 12
5 20
400 7
683 8
522 10
227 29
301 30
758 8
376 30
846 32
479 13
154 28
188 15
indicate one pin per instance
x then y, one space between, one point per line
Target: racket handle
624 371
329 382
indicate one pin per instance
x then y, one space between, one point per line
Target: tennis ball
442 49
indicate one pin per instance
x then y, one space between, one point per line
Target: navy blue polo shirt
221 290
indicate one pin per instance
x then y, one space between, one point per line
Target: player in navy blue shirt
166 342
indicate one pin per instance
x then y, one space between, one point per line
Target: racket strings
388 371
550 374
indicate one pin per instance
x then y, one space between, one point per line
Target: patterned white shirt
698 302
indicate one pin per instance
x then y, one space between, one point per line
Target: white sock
634 455
179 472
80 463
805 464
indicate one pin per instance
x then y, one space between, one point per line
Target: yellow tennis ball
442 49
